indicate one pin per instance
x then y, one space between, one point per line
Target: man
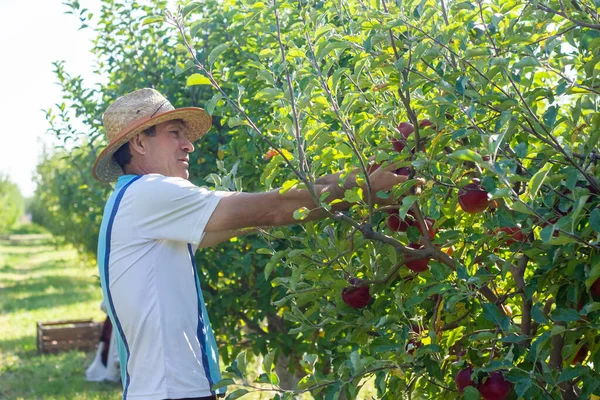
153 223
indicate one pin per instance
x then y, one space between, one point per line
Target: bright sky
33 34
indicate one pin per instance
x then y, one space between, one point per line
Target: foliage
511 90
11 203
320 87
69 202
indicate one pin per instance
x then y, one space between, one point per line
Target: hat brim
197 123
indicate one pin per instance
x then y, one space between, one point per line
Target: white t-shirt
152 226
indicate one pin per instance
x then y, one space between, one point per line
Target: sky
33 34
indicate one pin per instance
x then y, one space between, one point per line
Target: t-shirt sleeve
173 209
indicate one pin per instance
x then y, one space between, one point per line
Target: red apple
513 234
463 379
495 387
395 223
581 355
429 222
425 123
595 289
418 265
403 171
372 168
405 129
473 198
356 296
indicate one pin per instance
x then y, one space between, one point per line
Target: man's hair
123 155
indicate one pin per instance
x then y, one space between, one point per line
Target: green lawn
40 282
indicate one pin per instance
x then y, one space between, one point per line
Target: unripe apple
405 129
495 387
463 379
356 296
473 198
513 234
418 265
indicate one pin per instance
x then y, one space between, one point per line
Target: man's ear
138 144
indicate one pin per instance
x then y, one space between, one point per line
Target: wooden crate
56 336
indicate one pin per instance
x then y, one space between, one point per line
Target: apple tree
485 281
12 203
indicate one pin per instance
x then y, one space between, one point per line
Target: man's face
167 152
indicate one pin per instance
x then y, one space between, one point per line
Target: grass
43 281
40 282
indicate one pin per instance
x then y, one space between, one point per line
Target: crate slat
64 335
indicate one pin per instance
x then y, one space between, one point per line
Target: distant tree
12 203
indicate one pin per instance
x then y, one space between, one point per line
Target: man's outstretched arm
242 210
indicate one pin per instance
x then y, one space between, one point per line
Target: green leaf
466 155
268 361
264 250
216 52
546 233
522 386
237 394
287 185
241 362
581 200
522 208
538 179
595 219
301 213
549 116
197 79
571 372
223 383
461 84
152 20
492 314
526 61
354 195
565 315
196 26
189 8
471 393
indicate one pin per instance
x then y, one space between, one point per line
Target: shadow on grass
43 376
47 292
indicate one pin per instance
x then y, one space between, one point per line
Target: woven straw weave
132 114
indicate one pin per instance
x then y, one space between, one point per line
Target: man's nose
187 146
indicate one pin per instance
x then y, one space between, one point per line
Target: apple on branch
494 387
463 378
420 264
356 296
472 198
513 234
405 129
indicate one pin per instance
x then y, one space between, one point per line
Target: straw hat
132 114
